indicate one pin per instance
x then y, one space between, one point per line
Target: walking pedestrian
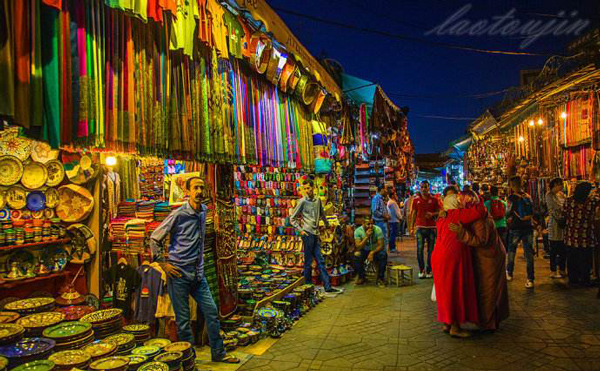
555 199
305 218
424 212
520 229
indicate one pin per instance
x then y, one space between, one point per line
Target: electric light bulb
563 115
531 123
540 122
111 161
521 138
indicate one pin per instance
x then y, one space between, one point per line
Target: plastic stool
401 274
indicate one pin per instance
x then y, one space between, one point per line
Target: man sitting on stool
369 242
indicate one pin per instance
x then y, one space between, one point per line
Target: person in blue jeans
425 210
184 265
369 243
520 229
305 218
379 211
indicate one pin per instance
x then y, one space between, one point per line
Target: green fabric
50 25
236 33
500 223
37 86
7 68
360 233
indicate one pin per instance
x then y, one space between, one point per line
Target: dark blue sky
429 78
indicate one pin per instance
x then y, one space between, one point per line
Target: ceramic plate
180 346
34 176
8 330
136 328
39 365
12 144
56 173
44 319
110 363
28 304
2 199
36 200
102 316
67 330
154 366
28 347
121 339
161 343
52 197
146 350
167 357
99 349
80 172
42 152
70 358
3 363
49 213
4 214
11 170
16 197
75 312
8 317
136 359
75 204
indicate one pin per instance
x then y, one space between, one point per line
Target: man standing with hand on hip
305 218
184 266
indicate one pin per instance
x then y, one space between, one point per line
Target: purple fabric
151 288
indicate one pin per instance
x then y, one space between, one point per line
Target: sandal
229 359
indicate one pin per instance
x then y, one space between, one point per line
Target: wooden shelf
34 244
11 284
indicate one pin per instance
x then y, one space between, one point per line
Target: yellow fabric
183 28
163 305
218 27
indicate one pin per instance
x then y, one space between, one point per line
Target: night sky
430 79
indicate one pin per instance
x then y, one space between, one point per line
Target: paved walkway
552 327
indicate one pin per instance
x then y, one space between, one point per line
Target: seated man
369 242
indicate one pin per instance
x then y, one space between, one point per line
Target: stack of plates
158 342
149 351
100 349
30 306
3 364
75 312
125 343
141 332
154 366
172 359
110 364
27 350
135 361
69 359
105 322
40 365
34 324
8 317
70 335
10 333
188 362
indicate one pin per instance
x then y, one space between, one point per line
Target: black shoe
333 290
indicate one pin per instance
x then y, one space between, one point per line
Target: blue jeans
393 234
380 261
179 290
525 236
312 249
425 235
384 230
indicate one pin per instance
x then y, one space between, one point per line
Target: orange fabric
154 10
205 24
169 6
54 3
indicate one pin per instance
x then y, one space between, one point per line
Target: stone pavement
552 327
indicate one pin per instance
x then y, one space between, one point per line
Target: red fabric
452 266
54 3
424 205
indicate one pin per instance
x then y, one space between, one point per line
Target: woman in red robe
452 264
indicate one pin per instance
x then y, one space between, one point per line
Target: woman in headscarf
452 264
580 233
489 263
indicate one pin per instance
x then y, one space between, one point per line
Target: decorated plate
52 197
44 319
136 359
34 175
29 304
16 214
39 365
102 316
11 170
180 346
75 204
138 327
121 339
8 317
146 350
12 144
167 357
70 358
110 363
161 343
67 330
267 312
16 197
4 214
56 173
42 152
100 349
75 312
28 347
36 201
2 199
3 363
80 172
8 330
154 366
49 213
